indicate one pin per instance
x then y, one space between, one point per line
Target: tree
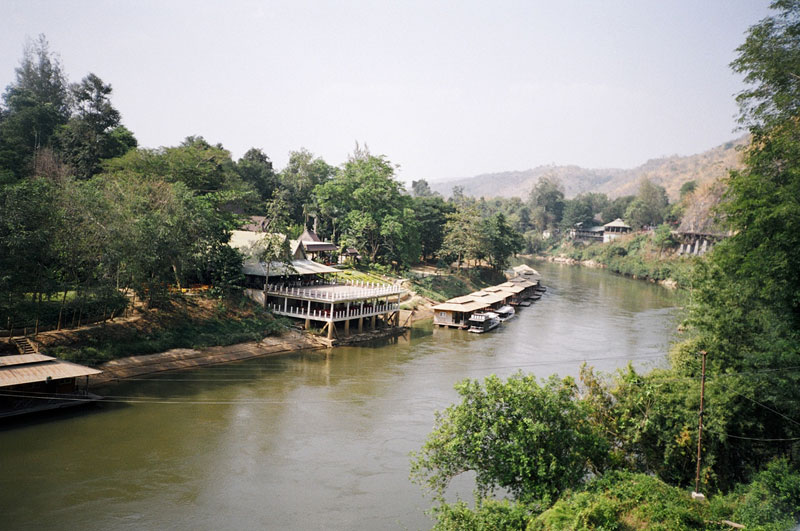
256 169
578 210
421 188
463 238
547 203
370 207
431 213
299 178
527 438
36 104
649 207
502 241
745 304
94 132
616 208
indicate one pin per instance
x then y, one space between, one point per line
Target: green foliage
430 212
624 500
546 203
181 332
529 439
94 132
373 213
490 515
649 207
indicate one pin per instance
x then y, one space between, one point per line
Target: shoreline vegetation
638 256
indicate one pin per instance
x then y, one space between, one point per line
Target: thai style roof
617 223
32 368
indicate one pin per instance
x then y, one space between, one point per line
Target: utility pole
696 493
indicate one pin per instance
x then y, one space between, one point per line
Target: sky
444 90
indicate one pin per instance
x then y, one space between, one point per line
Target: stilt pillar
330 329
360 324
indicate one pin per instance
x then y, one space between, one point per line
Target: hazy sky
444 89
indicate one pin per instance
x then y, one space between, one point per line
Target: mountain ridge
670 172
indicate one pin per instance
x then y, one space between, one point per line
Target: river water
314 440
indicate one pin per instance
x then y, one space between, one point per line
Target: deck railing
359 290
325 315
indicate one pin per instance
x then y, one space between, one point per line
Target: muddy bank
185 358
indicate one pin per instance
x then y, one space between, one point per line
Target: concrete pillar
330 329
705 247
696 247
308 324
360 324
373 322
347 327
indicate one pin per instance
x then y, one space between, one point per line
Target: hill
669 172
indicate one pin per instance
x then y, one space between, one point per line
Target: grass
197 324
446 286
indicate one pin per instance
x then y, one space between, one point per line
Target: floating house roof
469 306
32 368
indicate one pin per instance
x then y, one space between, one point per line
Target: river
313 440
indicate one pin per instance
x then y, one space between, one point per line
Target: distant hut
614 230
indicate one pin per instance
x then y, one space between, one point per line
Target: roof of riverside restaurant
31 368
280 269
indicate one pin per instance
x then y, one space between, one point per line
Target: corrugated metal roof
40 371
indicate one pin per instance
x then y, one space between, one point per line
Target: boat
540 289
504 313
480 322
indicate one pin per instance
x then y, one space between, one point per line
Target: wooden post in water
700 426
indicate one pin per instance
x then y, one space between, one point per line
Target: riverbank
196 331
185 358
635 256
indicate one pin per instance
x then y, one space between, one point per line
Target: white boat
480 322
504 313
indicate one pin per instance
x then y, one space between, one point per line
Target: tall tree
547 203
374 213
94 132
256 169
431 215
36 104
298 179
